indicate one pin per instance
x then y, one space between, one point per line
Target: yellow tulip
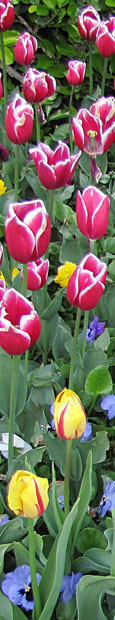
69 415
28 494
64 273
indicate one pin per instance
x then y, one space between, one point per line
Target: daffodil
64 273
2 187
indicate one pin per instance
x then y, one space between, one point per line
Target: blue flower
17 587
108 404
87 435
96 328
3 519
61 501
108 499
52 413
69 584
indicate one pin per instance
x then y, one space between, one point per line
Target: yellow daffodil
2 187
69 415
28 494
64 273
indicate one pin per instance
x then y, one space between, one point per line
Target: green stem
13 396
26 364
66 481
92 246
86 318
44 327
113 550
90 70
35 587
24 281
76 332
16 171
70 105
104 76
92 405
37 123
4 72
51 205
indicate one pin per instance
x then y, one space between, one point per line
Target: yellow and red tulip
28 494
69 415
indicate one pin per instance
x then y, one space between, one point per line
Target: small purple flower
87 435
52 413
108 499
61 501
17 587
69 584
96 328
108 404
3 519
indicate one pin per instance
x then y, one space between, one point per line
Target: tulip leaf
94 559
90 594
27 460
99 381
103 341
58 513
53 307
84 497
3 549
5 386
51 580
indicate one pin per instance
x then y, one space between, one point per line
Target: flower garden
57 310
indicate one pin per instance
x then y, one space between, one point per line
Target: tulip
69 415
2 288
19 323
25 48
38 86
104 110
87 284
28 230
28 494
76 72
1 254
92 212
88 22
19 120
36 274
55 168
6 15
1 87
105 37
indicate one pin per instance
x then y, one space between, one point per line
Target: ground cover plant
57 310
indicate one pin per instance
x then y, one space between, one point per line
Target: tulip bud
87 284
92 212
20 325
1 87
38 86
37 274
28 494
69 415
88 22
25 48
105 38
55 168
28 230
6 15
76 72
19 120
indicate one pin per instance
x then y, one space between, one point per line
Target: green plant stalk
51 206
113 550
69 442
104 76
92 246
16 171
90 70
35 588
86 319
37 122
4 72
70 105
44 328
24 281
92 404
13 397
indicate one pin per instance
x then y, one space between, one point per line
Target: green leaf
27 460
97 560
5 608
57 451
51 580
13 530
53 307
90 593
9 58
98 446
103 341
90 537
58 513
5 386
84 497
99 381
3 549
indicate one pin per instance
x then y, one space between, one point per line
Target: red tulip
2 288
92 212
76 72
87 132
88 22
1 87
104 109
25 48
19 120
1 254
105 38
6 15
37 274
87 283
38 86
20 325
55 168
28 230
